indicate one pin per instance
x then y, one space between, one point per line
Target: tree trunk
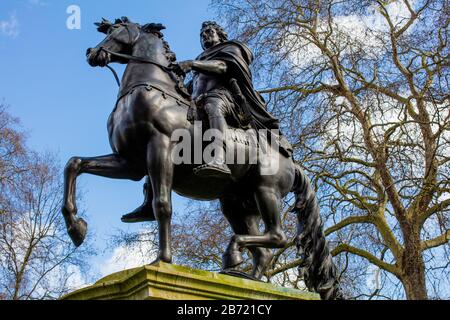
415 286
413 278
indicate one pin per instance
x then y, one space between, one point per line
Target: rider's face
209 37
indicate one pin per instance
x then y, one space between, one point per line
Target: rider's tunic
238 57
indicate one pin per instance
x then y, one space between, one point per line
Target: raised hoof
232 259
213 170
77 232
141 214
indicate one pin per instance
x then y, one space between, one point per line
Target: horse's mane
155 28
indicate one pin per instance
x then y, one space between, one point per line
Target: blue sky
63 103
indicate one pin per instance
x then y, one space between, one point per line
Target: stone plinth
172 282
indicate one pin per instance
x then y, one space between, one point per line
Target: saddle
196 113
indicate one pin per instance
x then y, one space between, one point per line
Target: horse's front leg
111 166
160 171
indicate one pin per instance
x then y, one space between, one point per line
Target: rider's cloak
238 57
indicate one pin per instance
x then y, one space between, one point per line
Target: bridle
171 68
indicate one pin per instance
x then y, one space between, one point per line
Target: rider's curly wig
223 36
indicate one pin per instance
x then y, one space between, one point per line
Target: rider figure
209 91
222 62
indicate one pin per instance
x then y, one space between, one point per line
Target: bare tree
12 150
362 90
201 234
37 260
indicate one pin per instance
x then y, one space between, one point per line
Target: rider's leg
145 211
215 109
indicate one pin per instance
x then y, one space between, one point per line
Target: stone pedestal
172 282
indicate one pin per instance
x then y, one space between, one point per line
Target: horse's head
127 41
120 38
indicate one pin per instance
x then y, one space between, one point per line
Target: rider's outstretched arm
210 66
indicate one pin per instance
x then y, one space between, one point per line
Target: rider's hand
186 66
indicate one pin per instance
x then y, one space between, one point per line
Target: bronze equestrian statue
152 104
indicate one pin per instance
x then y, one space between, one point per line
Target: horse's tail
317 267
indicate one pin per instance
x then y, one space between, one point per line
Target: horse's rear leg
111 166
269 206
268 203
245 221
160 170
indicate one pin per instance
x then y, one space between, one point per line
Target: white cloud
77 279
288 278
127 257
69 277
369 29
10 27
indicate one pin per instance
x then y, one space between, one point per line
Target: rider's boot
145 211
218 167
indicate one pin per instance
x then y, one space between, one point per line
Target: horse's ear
103 26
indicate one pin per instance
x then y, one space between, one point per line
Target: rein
114 74
139 59
134 58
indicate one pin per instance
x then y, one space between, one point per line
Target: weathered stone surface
172 282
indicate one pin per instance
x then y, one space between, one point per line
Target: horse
151 105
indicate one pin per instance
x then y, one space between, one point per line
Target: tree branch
368 256
434 209
348 221
436 242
